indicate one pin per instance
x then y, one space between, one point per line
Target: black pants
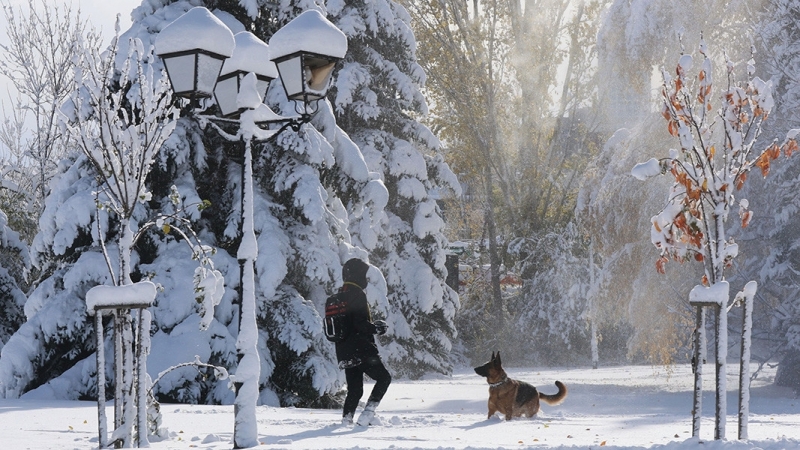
373 368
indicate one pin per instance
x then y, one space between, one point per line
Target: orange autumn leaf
696 239
655 225
705 280
740 179
698 257
763 163
789 147
680 222
692 194
746 218
660 262
672 127
773 151
744 118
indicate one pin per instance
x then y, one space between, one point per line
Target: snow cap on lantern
194 47
251 54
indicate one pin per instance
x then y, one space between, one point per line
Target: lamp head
194 47
305 52
251 54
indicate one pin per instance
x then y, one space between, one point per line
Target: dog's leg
530 408
492 410
508 412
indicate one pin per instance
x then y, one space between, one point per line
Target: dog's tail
555 399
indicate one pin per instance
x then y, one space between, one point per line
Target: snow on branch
121 117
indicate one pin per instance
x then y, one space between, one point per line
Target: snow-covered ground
627 407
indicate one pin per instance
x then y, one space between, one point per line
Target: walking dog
514 398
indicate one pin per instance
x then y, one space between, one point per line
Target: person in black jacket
358 354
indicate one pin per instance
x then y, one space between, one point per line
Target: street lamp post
198 47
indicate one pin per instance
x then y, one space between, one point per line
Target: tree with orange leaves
716 153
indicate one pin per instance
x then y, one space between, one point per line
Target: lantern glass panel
291 77
208 68
181 74
225 93
262 84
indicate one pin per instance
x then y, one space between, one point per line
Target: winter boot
368 414
347 419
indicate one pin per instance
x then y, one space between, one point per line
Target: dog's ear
497 358
492 358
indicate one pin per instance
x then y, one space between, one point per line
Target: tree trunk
494 256
592 307
697 361
142 349
125 408
118 364
102 424
128 399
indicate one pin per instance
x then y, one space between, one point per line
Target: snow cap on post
714 295
194 47
129 296
305 52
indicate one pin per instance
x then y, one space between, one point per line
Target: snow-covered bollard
715 296
745 299
139 296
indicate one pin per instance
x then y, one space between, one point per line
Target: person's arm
362 320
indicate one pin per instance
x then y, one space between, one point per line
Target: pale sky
101 13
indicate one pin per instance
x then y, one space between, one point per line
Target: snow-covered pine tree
377 97
13 259
779 291
57 335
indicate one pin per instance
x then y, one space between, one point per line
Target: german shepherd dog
514 398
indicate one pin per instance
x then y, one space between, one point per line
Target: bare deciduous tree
38 60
